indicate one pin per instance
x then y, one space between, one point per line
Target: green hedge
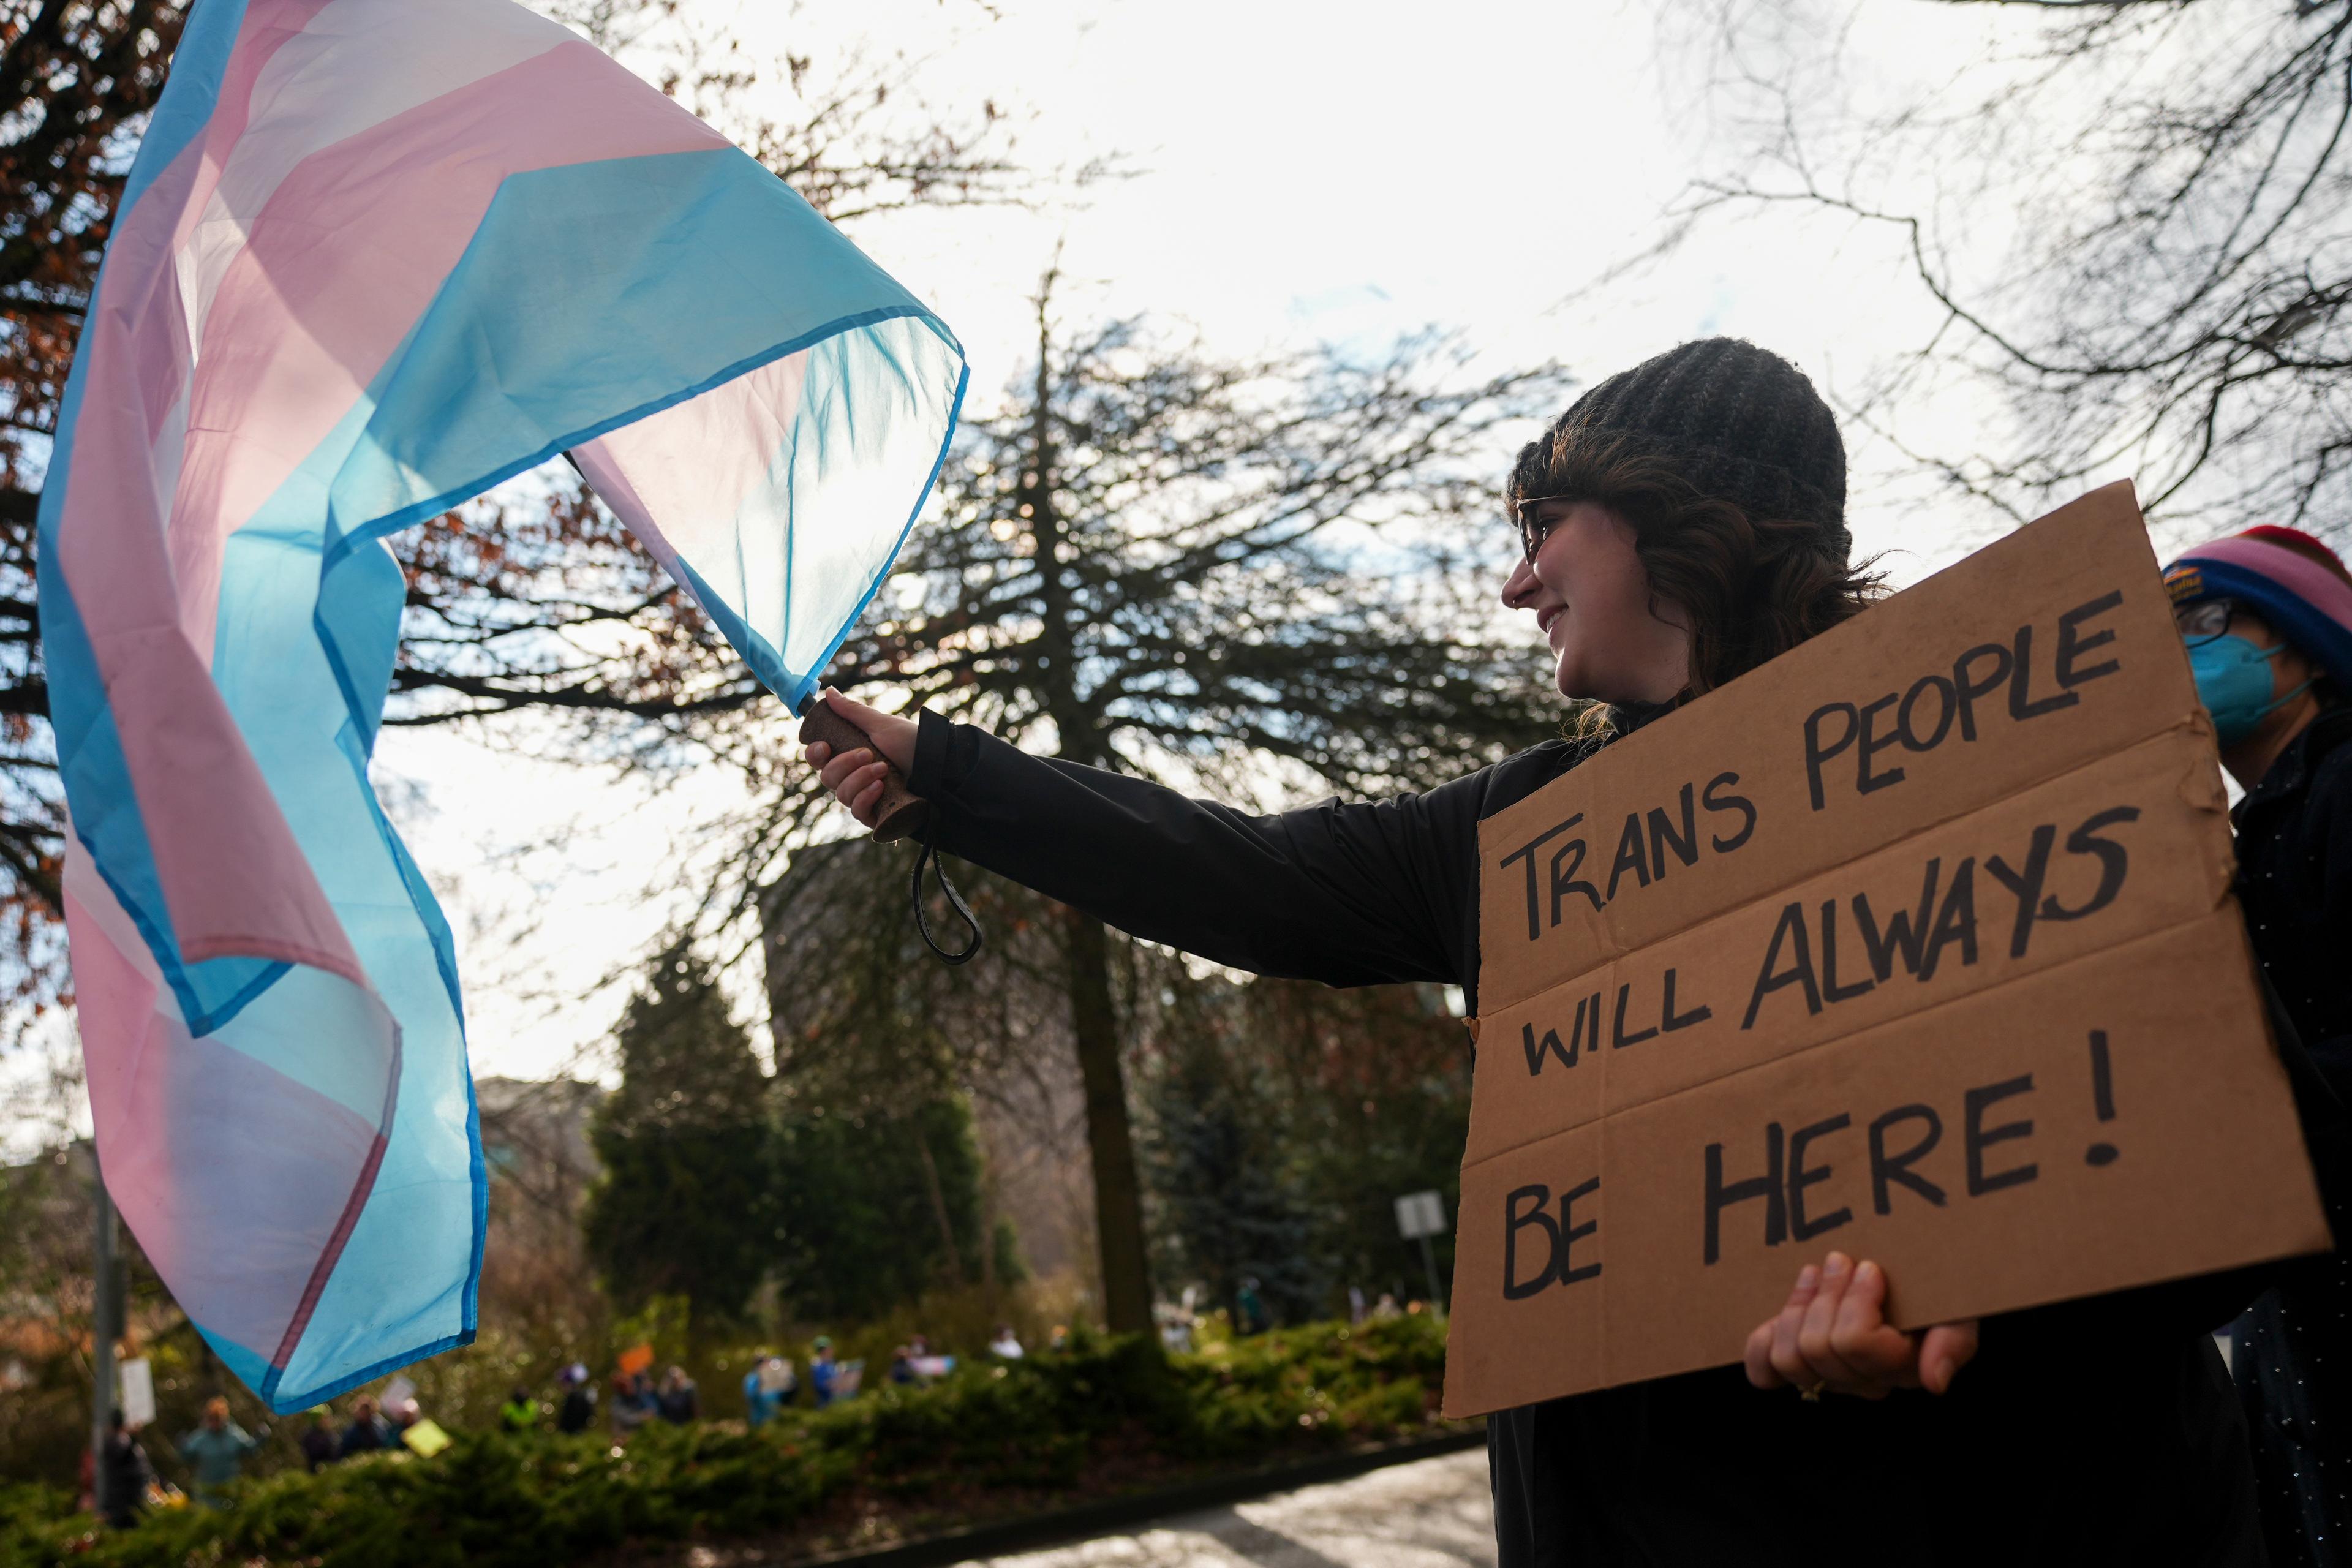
1052 1423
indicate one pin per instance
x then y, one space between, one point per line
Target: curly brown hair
1752 588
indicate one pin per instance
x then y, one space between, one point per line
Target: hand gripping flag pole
371 260
900 812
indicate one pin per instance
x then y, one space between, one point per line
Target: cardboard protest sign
1917 943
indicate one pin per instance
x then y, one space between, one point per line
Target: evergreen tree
684 1208
879 1175
1282 1120
1243 577
1229 1205
876 1210
1374 1088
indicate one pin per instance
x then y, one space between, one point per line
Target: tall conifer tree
1260 577
685 1207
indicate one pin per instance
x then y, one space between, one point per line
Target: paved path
1433 1514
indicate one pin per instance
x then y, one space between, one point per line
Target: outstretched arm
1350 895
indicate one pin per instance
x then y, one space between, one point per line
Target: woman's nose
1518 586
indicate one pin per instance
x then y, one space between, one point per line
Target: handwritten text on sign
1890 938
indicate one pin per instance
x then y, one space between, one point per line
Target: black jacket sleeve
2325 840
1346 894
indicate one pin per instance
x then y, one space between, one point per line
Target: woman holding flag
1681 523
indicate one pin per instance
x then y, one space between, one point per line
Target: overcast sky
1302 172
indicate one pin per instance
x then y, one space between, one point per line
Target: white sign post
137 1377
1420 1216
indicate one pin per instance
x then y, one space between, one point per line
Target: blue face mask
2234 681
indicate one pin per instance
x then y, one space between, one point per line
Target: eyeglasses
1532 532
2203 621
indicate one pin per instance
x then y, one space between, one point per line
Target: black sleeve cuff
930 774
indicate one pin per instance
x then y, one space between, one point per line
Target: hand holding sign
1833 1334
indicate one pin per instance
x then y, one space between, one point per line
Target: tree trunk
988 1286
938 1203
1118 1196
1119 1199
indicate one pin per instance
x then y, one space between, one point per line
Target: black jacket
2295 881
128 1477
2294 1354
2087 1433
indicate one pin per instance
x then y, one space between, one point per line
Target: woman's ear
2293 669
1672 613
1668 612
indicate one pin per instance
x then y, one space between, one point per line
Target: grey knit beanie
1739 422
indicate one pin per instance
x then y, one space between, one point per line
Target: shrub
500 1502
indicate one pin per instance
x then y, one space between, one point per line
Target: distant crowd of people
637 1399
369 1431
1250 1314
215 1452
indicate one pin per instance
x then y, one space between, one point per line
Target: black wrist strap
927 855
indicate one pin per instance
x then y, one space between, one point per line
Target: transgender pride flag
374 256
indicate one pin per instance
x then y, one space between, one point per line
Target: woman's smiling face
1591 600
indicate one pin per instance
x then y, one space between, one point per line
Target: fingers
1759 1357
838 765
1880 1357
1817 1340
862 793
1833 1333
851 772
892 736
849 708
855 778
1787 1362
1944 1350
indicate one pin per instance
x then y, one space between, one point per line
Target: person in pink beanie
2267 618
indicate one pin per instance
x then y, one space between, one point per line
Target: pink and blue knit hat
2294 582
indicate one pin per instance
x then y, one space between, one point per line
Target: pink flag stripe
349 251
240 1231
655 469
348 254
418 51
